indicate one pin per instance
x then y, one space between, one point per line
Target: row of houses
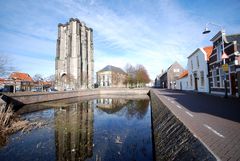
109 76
18 81
168 78
213 69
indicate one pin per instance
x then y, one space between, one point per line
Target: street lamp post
224 55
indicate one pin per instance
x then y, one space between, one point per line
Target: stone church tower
74 56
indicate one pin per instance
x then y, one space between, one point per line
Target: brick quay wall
23 98
172 139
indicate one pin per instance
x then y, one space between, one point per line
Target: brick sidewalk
214 120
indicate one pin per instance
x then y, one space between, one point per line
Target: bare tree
5 65
38 77
131 75
50 78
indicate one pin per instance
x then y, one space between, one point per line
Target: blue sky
154 33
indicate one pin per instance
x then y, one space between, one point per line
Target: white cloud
156 35
176 36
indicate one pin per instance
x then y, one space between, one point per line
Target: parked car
52 90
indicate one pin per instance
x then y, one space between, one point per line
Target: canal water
99 129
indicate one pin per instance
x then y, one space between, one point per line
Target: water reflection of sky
102 129
131 125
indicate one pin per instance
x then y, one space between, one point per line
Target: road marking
179 106
189 113
172 102
214 131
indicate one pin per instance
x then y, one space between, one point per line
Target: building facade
231 45
74 56
182 81
18 81
173 72
168 78
156 82
111 76
198 69
163 80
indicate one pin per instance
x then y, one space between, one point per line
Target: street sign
225 67
224 56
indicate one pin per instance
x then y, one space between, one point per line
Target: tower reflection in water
74 131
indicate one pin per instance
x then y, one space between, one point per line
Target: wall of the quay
31 98
172 140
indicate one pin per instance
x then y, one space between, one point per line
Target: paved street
214 120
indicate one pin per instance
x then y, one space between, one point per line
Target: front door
233 84
196 84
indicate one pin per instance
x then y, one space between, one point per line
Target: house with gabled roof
198 69
111 76
173 73
22 81
168 78
182 81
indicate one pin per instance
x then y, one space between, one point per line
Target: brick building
216 74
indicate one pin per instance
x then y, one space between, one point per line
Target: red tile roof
183 74
2 80
208 50
21 76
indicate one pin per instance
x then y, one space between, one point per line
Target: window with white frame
219 52
214 78
221 77
176 70
191 65
202 78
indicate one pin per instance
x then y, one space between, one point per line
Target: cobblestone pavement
212 119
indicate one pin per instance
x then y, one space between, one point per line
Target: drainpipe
209 88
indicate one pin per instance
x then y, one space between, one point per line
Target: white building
198 69
182 81
111 76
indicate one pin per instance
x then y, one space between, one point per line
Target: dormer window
175 70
